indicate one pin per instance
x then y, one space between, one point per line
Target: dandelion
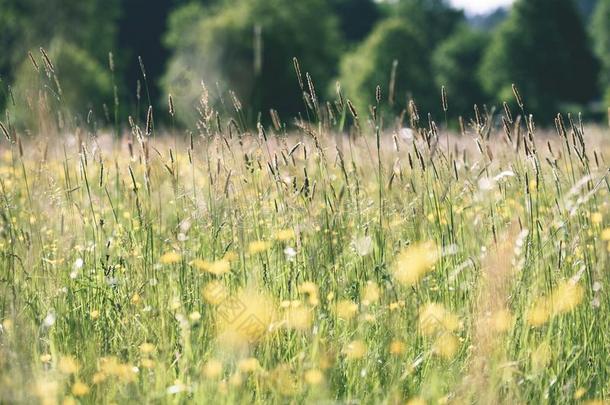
596 218
298 318
94 314
170 258
258 246
397 347
147 348
80 389
371 293
346 309
416 401
214 292
195 316
45 358
446 345
435 319
244 319
355 350
605 235
564 299
579 393
212 369
285 235
219 267
248 365
68 365
414 262
313 376
310 290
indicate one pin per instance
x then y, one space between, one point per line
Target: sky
480 6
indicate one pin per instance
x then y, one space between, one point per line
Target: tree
601 36
63 94
371 64
356 17
455 65
542 48
248 47
141 28
30 24
436 19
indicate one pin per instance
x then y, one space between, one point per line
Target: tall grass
307 266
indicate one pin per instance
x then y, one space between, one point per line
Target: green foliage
601 37
248 48
436 19
77 85
356 17
371 64
30 24
455 64
544 49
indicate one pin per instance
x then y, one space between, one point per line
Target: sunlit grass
301 268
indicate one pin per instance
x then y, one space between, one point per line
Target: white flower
78 264
290 253
49 320
363 246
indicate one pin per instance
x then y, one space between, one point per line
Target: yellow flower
170 258
416 401
606 234
310 289
200 265
285 235
313 376
212 369
80 389
68 365
346 309
94 314
248 365
397 347
566 296
414 262
298 317
258 246
371 293
596 217
214 292
446 345
355 350
579 393
147 348
244 318
435 319
219 267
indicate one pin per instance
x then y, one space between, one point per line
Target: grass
309 267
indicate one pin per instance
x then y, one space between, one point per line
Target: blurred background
556 51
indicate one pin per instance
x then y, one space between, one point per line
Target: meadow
371 264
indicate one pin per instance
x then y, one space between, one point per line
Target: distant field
306 268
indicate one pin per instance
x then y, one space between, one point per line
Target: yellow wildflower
414 262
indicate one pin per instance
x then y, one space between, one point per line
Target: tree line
115 58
